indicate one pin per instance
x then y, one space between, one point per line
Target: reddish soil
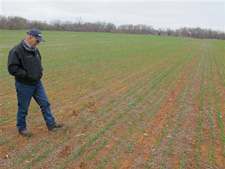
91 108
160 119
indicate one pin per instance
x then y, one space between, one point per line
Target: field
128 101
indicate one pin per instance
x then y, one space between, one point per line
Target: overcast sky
159 14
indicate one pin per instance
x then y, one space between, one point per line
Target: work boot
26 133
55 126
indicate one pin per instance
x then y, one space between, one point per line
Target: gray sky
159 14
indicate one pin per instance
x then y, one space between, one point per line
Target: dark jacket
24 63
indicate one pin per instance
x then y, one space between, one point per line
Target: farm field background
128 101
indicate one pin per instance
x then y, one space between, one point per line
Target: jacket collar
27 46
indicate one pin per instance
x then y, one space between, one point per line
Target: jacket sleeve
14 65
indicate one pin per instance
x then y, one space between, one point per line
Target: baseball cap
37 34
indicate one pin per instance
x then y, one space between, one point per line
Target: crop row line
210 118
8 117
200 113
219 116
164 127
76 154
142 116
172 135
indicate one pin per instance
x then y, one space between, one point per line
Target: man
24 62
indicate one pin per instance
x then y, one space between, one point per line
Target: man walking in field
24 62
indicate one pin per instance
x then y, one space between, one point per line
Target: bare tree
15 22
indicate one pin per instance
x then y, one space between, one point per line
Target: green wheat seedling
199 136
78 123
219 116
127 77
209 116
128 148
89 143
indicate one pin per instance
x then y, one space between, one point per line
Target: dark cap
36 33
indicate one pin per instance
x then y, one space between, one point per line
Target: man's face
33 42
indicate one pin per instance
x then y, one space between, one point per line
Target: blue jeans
24 95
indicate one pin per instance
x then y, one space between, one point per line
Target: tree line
19 23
